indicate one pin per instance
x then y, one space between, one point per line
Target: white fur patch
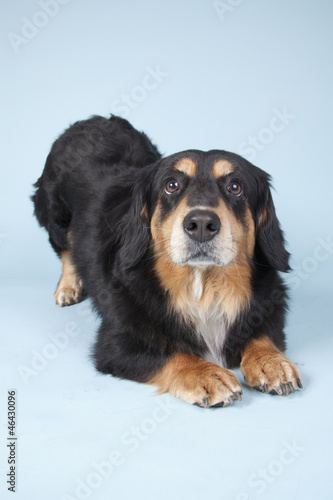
210 325
197 285
214 332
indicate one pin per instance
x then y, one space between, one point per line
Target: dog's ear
270 241
134 235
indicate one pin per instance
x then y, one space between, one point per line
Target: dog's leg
267 369
69 289
197 381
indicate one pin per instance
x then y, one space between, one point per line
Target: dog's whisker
154 256
235 262
161 229
154 243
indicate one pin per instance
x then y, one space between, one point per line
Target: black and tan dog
180 256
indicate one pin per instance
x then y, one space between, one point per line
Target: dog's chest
209 325
214 333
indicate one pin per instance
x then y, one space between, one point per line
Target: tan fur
221 168
144 212
69 289
187 166
197 381
161 233
249 236
225 288
264 217
267 368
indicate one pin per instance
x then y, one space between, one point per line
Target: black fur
99 176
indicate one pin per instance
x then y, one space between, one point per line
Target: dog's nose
201 225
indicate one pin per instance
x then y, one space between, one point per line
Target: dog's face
204 209
202 216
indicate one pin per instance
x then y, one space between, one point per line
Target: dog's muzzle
201 225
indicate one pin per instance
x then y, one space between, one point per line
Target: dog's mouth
202 261
204 256
193 250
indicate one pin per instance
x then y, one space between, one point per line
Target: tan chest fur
209 298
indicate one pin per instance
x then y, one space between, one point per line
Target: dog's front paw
198 382
271 372
213 387
68 295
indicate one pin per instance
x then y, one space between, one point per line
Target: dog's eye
235 188
171 186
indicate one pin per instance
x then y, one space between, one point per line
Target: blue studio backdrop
252 77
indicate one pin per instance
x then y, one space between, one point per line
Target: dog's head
204 209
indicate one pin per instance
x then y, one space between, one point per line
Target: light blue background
224 77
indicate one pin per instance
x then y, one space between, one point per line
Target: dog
180 255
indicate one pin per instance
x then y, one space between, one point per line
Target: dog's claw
258 388
237 396
291 387
299 383
218 405
205 402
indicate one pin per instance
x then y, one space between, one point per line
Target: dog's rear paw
66 296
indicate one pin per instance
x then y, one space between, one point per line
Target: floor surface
85 435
